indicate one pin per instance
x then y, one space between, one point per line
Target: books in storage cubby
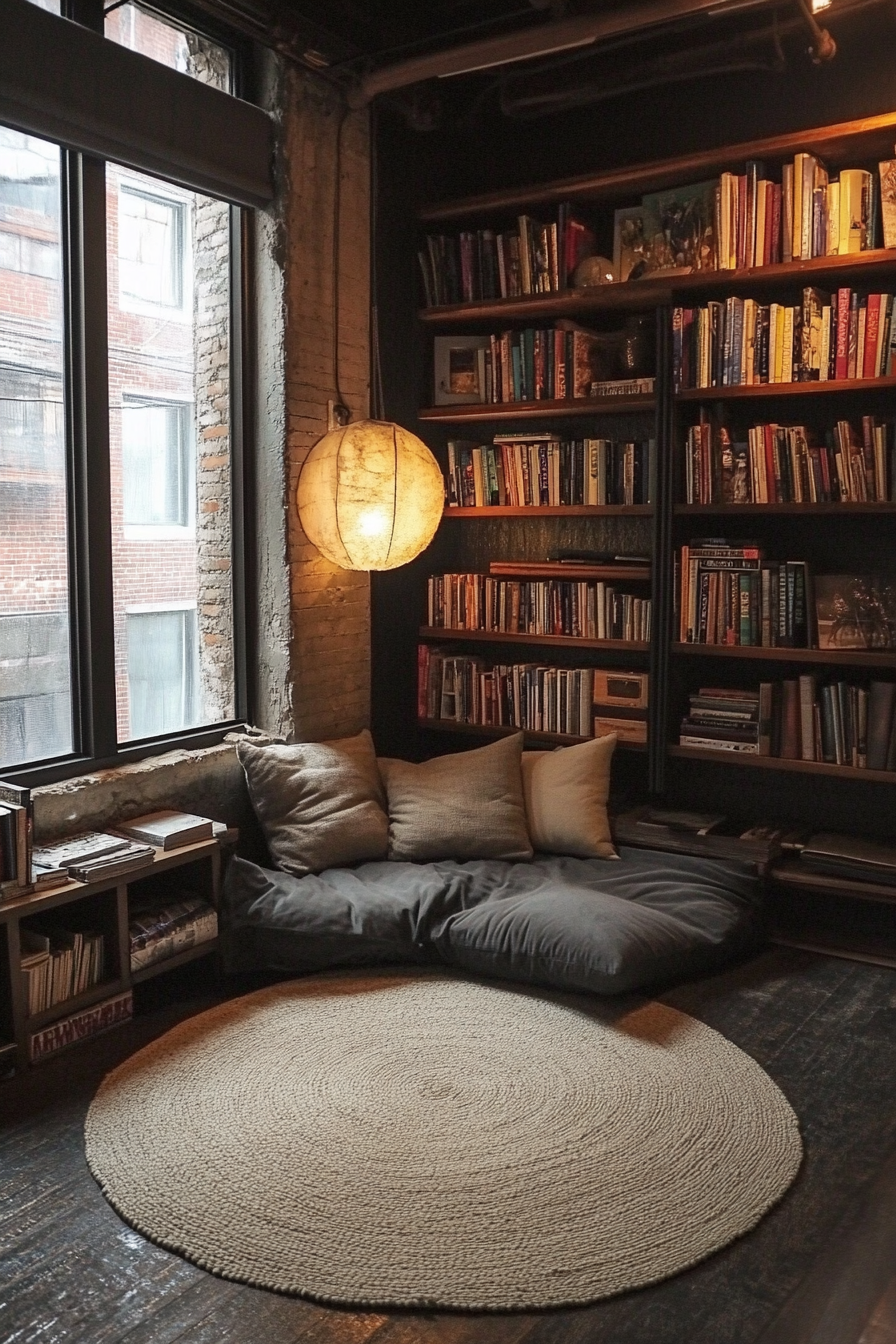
58 963
532 470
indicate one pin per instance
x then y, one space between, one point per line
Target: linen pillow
566 794
465 806
320 804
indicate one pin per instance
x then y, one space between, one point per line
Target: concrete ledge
209 781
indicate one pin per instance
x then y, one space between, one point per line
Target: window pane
137 28
169 381
162 671
35 675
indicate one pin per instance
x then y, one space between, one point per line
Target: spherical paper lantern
370 495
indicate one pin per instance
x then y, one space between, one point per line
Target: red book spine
841 363
872 327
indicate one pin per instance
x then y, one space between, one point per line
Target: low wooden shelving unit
106 903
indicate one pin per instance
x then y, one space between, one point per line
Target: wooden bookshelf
538 739
536 410
794 874
860 268
744 758
551 511
760 510
431 633
752 391
829 657
565 572
840 145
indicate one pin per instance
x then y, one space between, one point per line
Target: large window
117 445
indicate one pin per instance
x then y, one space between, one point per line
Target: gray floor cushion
572 923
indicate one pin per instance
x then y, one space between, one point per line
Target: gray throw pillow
464 806
320 804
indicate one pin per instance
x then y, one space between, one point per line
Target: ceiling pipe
541 40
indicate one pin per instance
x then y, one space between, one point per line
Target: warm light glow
819 5
370 495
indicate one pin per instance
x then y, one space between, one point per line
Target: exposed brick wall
329 638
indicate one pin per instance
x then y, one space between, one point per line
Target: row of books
58 963
735 221
784 464
81 1026
807 214
533 258
16 831
542 469
157 932
837 723
739 342
574 702
575 608
538 699
732 596
535 364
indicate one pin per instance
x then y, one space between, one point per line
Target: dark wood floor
820 1269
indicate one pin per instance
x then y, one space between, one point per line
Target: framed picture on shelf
856 611
459 369
685 237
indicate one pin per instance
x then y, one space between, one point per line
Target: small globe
593 271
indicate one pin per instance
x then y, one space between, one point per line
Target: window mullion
87 379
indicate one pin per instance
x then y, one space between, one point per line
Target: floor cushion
569 923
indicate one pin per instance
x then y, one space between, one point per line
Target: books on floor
80 1026
167 829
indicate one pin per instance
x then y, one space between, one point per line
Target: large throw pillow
320 804
566 794
465 806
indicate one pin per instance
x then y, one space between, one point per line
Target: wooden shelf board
438 632
652 292
834 657
490 730
95 994
840 144
781 763
552 511
795 875
753 390
535 410
846 950
559 569
171 963
757 510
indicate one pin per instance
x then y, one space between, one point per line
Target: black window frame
86 397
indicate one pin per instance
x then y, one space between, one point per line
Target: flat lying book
82 848
850 856
134 855
168 830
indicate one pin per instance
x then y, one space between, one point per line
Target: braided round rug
417 1139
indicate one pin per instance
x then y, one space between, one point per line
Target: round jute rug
417 1139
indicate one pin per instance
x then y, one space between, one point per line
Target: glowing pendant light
370 495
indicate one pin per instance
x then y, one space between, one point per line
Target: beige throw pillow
566 794
465 806
320 804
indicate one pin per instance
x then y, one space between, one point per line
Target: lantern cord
379 401
337 213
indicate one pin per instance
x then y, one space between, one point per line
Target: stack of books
722 720
159 931
93 855
528 470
